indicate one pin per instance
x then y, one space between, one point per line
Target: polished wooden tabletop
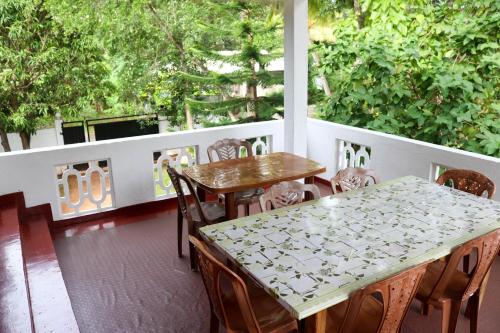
251 172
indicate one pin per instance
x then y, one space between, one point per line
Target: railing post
296 45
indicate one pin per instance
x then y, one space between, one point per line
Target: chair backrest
352 178
228 149
487 248
214 274
468 181
287 194
396 294
176 179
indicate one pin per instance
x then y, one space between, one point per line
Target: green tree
145 42
249 39
46 67
425 70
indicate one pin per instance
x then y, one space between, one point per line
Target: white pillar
58 128
296 45
163 124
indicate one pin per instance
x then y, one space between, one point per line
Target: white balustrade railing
123 172
336 146
117 173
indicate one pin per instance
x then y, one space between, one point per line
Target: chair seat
214 212
455 288
368 320
246 197
271 316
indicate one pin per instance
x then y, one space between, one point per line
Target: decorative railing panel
261 145
353 155
84 188
178 158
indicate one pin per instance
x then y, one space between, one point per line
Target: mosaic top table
313 255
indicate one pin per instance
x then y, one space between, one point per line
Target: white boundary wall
42 138
33 171
393 156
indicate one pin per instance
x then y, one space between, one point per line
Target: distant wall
42 138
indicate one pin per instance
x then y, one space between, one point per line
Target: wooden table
231 176
314 255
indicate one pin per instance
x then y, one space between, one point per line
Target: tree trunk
189 117
252 96
324 81
359 14
25 139
5 140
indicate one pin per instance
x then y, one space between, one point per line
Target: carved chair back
177 180
487 247
214 275
352 178
228 149
468 181
396 294
287 194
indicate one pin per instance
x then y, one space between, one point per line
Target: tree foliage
424 70
249 39
46 67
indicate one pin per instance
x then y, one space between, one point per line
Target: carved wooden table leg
231 209
309 195
316 323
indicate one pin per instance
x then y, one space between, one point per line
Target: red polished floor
123 275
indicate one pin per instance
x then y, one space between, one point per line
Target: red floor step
15 313
33 296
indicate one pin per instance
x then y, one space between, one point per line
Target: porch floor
123 275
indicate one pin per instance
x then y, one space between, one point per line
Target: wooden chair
353 178
468 181
444 286
287 194
380 307
229 149
471 182
235 305
197 214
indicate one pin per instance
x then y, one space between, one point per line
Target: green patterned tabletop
313 255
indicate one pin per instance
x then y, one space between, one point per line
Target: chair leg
247 209
482 288
180 221
481 292
474 311
214 323
451 310
426 309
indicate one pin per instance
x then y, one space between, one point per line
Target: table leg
316 323
231 209
202 194
309 180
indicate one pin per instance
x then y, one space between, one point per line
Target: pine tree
250 38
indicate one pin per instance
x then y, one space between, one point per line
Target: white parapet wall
128 167
130 163
337 146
